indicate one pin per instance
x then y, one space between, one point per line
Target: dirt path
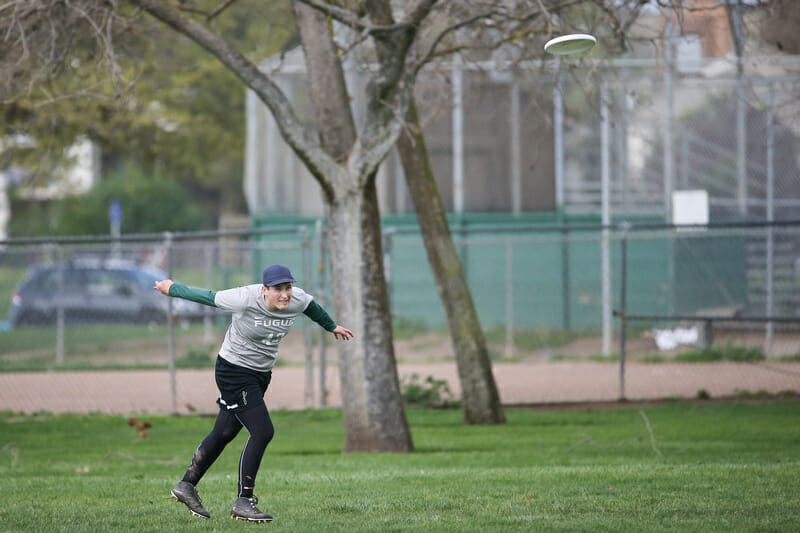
148 391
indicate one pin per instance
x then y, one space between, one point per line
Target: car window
105 282
48 280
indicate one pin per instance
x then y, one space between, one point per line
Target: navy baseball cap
277 274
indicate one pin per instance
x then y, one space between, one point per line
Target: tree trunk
373 414
479 392
373 410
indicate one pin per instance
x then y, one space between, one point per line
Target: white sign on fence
690 207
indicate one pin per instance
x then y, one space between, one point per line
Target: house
80 171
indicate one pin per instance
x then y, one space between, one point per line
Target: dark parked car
93 291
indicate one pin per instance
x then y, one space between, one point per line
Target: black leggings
226 427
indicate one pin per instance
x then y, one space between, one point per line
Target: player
262 315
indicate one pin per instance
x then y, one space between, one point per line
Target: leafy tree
149 205
164 107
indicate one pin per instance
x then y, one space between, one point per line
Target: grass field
677 467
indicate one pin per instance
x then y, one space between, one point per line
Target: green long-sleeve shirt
314 311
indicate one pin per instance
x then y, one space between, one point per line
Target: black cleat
186 493
245 509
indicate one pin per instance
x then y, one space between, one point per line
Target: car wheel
32 318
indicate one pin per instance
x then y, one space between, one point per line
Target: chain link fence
90 303
558 283
556 136
551 299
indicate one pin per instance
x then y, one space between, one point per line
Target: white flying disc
574 43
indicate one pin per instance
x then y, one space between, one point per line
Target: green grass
10 277
678 467
97 347
727 353
77 338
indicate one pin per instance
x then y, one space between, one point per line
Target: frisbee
574 43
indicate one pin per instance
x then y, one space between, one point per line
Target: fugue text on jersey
273 322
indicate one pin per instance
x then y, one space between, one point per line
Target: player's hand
342 333
163 286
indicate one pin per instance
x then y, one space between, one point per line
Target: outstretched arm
315 312
168 287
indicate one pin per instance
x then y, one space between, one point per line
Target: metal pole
741 133
558 136
668 115
669 171
565 279
115 217
509 299
770 217
685 160
173 388
60 307
458 141
622 309
605 209
320 296
516 156
741 149
309 341
621 139
271 158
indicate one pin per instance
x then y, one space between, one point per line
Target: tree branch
346 17
419 12
190 9
378 139
352 20
219 9
303 142
444 33
652 436
393 89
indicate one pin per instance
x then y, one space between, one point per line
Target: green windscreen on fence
541 271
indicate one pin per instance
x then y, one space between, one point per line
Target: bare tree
480 399
344 164
342 156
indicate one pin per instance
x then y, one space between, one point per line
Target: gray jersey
255 332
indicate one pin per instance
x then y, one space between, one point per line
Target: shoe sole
189 508
245 519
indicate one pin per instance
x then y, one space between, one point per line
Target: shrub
197 357
430 392
149 205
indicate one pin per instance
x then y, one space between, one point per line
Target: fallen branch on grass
13 451
652 436
588 439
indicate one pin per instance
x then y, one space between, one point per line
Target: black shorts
240 388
